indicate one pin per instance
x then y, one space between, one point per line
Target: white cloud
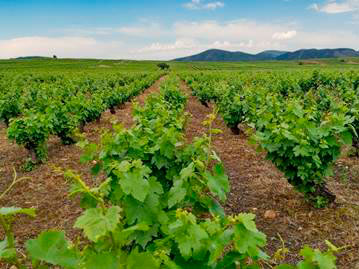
284 35
199 4
177 45
233 31
76 47
335 7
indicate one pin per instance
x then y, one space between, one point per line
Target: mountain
316 54
31 57
216 55
269 54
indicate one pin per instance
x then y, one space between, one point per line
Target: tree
163 66
55 57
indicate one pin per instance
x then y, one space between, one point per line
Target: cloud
76 47
199 4
233 31
177 45
335 7
284 35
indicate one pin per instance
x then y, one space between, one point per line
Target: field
146 168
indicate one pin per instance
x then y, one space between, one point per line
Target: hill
317 54
31 58
216 55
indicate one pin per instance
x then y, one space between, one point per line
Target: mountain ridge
217 55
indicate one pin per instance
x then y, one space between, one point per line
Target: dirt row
258 187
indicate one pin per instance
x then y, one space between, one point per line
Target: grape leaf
96 224
135 183
102 260
218 182
53 248
176 194
138 260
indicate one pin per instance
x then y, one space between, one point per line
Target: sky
166 29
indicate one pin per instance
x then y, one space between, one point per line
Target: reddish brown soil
46 190
257 186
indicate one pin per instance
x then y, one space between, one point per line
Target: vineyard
179 169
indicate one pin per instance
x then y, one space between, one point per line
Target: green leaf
103 260
247 241
135 183
347 137
325 261
218 245
218 182
247 219
307 252
96 224
176 194
10 211
306 265
5 252
52 247
189 236
138 260
187 172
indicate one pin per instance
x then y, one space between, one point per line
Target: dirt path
125 114
258 187
45 190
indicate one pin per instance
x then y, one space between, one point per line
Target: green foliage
63 122
304 148
57 105
7 245
52 248
31 131
97 223
9 106
163 66
157 206
300 120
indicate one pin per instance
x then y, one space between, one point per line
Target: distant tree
163 66
55 57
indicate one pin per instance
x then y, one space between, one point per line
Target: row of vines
301 120
35 107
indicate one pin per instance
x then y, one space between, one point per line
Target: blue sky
172 28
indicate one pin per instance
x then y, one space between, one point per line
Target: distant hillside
31 57
317 54
216 55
